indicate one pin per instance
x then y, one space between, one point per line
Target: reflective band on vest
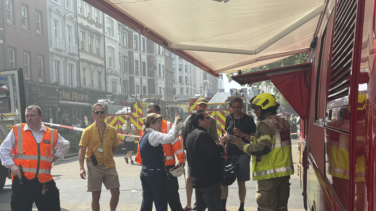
19 133
278 162
169 157
179 151
32 157
41 171
273 171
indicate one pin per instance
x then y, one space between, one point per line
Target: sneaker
186 208
126 160
132 162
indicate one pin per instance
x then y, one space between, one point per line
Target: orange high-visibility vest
175 148
34 158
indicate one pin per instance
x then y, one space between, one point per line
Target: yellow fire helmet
264 100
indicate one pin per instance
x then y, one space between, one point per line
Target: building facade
185 78
113 74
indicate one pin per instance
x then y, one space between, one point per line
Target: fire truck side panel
338 154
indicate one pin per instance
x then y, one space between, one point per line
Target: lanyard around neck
101 136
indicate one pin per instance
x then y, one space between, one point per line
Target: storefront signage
73 95
45 97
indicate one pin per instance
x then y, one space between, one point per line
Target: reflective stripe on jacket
34 158
278 162
175 148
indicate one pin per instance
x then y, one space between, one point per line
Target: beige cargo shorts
96 175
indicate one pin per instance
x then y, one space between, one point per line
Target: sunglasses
98 112
206 117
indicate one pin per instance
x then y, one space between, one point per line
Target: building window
96 16
40 67
124 64
11 58
160 50
92 78
25 16
110 27
187 90
180 79
84 76
114 86
82 40
175 92
69 34
68 4
91 39
27 64
160 90
181 91
180 67
100 80
97 46
70 75
56 28
143 44
90 12
9 8
186 68
125 87
135 42
111 57
38 20
163 71
124 36
136 67
144 90
186 80
144 68
137 89
159 70
80 7
57 71
205 76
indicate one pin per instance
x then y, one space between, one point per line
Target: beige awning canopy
222 37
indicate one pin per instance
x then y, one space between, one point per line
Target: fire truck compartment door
292 82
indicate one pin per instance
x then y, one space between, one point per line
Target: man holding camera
99 142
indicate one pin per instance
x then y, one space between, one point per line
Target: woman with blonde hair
153 175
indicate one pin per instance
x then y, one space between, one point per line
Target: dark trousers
172 192
208 197
154 189
24 195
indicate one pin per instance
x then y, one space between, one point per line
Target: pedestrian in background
204 158
99 142
241 125
202 105
153 175
29 152
129 129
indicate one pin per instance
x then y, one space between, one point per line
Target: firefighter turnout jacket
175 148
271 149
35 159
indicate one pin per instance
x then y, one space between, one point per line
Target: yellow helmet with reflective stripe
264 100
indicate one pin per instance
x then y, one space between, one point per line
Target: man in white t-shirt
129 129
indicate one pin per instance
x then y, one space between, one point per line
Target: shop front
74 106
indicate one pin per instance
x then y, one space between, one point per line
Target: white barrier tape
81 129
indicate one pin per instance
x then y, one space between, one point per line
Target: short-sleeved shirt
246 124
91 139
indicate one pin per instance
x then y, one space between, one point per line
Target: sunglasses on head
99 112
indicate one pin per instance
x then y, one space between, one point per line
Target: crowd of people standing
214 162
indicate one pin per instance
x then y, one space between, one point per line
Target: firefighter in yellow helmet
271 154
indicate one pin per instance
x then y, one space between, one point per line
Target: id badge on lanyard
100 149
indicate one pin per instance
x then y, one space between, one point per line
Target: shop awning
291 81
77 104
223 37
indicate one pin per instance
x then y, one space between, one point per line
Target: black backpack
231 167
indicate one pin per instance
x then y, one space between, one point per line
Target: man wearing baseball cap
202 104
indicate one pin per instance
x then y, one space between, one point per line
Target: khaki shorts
96 175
